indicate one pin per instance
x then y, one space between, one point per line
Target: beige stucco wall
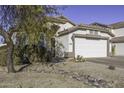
104 34
62 44
64 26
119 49
84 32
70 38
118 32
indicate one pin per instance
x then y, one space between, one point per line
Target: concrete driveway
117 61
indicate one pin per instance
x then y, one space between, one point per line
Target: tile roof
60 19
100 24
86 27
117 25
93 26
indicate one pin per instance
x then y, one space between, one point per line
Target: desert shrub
111 67
113 50
80 59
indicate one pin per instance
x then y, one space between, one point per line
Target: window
94 32
90 32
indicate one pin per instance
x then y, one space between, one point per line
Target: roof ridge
64 19
100 25
87 27
117 25
117 22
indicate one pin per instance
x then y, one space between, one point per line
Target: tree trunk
10 65
10 50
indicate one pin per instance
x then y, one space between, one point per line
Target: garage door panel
90 48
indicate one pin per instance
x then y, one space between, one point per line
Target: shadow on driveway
117 61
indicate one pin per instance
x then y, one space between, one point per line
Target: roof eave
85 28
117 39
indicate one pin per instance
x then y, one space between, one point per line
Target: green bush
80 59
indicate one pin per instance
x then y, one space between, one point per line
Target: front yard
65 74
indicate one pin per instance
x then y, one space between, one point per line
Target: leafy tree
29 19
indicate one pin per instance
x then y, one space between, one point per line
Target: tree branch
5 35
11 31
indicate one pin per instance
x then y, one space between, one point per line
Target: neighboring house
2 45
118 41
2 42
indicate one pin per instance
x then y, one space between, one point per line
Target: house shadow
58 60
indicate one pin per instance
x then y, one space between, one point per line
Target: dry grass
39 75
38 80
3 54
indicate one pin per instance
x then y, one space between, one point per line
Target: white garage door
90 48
119 49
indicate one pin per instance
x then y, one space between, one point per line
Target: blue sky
94 13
